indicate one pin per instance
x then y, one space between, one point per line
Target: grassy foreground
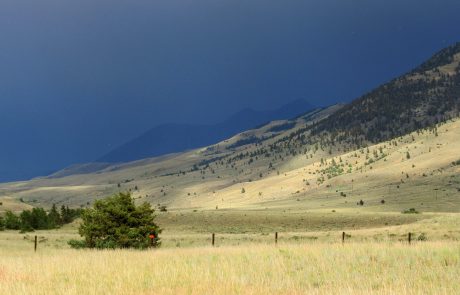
314 268
309 258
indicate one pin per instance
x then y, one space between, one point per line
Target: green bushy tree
116 222
54 219
12 221
35 219
65 214
26 221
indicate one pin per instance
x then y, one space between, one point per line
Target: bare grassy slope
427 180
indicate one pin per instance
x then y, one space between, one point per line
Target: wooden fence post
276 238
409 238
213 239
35 244
343 237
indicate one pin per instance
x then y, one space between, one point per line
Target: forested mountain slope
425 96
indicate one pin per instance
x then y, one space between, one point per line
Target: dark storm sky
78 77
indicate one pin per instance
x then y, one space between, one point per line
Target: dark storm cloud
79 77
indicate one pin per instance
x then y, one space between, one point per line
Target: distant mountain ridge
172 138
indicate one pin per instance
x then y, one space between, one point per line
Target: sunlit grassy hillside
413 171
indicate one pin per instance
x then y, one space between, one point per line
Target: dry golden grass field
309 257
313 268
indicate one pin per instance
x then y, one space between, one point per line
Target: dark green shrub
410 211
77 244
422 237
116 222
2 224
